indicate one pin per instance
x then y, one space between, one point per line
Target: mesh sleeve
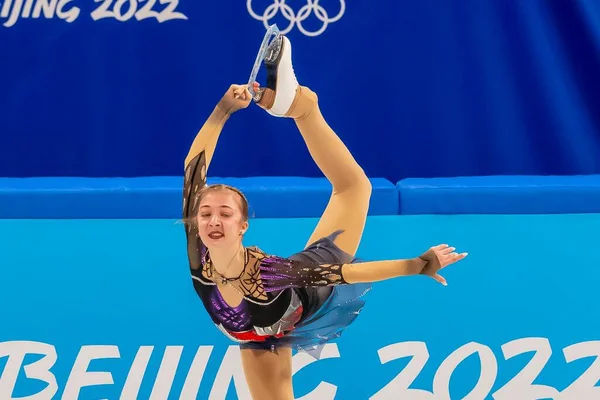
194 180
280 273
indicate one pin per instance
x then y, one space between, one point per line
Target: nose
214 220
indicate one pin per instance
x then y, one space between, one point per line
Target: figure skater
272 305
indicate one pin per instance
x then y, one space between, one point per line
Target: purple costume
301 301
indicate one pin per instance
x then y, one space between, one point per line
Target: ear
244 227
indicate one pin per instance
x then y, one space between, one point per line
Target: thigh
269 374
346 211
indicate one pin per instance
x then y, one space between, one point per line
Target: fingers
242 94
457 257
452 258
440 279
239 91
447 256
447 250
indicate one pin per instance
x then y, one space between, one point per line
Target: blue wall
415 88
70 284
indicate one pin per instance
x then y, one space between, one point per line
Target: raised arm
199 158
278 273
236 97
204 144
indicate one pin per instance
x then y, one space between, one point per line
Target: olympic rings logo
297 19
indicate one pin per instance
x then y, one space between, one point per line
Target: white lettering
102 11
5 8
80 377
48 6
39 370
324 390
131 9
521 386
120 10
166 373
107 10
70 15
27 9
585 386
169 13
34 8
399 386
146 11
133 383
487 375
196 373
14 16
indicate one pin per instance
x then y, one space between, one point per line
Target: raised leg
351 190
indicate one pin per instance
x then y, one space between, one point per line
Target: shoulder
255 252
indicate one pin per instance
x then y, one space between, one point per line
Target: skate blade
266 50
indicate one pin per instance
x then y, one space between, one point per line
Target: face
220 219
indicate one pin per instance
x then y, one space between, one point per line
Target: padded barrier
294 197
500 195
161 197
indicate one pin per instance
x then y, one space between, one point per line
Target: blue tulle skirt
329 310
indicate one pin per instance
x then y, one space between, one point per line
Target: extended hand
438 257
236 98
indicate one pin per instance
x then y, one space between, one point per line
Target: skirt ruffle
330 317
341 309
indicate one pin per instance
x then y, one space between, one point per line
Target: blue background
415 88
83 283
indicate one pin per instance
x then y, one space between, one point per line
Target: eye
226 215
205 215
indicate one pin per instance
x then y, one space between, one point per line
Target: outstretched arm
375 271
278 273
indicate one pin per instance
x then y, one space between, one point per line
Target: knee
363 185
359 186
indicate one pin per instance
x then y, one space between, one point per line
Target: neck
229 262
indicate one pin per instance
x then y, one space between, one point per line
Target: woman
271 305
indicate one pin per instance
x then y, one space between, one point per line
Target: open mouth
215 235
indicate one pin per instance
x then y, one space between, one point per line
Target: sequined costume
301 301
